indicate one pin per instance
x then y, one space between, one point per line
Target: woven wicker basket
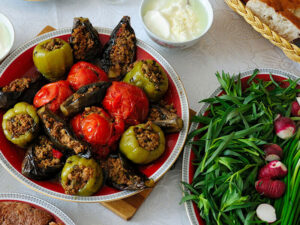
291 50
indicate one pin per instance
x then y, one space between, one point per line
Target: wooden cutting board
127 207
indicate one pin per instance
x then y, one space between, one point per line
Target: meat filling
43 153
58 131
78 178
153 73
19 125
53 44
155 114
18 213
17 85
91 110
146 137
119 175
122 51
77 95
82 42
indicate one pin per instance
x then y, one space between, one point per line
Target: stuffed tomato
96 127
52 95
127 102
83 73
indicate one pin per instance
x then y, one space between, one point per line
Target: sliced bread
281 17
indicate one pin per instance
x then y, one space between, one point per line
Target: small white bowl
10 30
172 44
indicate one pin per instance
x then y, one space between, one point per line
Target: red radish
284 127
273 152
296 108
266 212
273 170
270 188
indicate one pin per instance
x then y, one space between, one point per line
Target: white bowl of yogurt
176 23
7 36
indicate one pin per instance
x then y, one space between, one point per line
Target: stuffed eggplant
20 124
87 95
61 136
149 76
121 174
120 51
81 176
42 161
85 40
166 118
20 90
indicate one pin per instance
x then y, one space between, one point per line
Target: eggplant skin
117 169
9 99
85 40
87 95
31 169
46 115
120 51
169 121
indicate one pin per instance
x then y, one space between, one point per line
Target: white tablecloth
230 45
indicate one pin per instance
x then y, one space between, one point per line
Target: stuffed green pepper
150 76
143 143
81 176
20 124
53 58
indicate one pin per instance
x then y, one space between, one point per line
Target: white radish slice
266 212
298 100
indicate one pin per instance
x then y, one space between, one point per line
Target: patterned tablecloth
230 45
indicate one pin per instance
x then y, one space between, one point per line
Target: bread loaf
282 16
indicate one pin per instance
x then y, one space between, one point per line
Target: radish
270 188
273 152
284 127
296 108
266 212
273 170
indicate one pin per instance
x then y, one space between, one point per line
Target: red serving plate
188 168
12 156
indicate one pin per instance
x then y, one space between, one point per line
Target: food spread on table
15 213
92 113
247 158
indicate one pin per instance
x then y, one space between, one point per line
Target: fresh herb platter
224 155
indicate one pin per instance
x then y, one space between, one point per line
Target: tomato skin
96 129
76 125
52 95
83 73
127 102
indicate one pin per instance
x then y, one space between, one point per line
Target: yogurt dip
175 20
5 40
